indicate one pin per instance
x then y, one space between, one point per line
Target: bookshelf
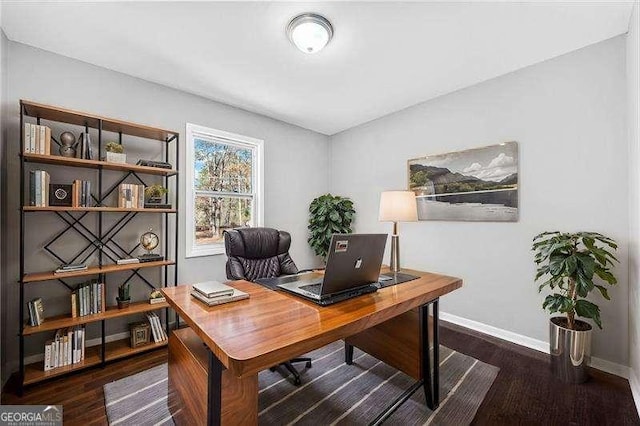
101 237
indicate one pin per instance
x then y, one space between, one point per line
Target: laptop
353 268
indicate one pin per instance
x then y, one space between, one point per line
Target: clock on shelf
149 241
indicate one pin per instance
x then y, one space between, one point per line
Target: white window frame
256 145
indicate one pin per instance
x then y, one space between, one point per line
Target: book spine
25 138
38 187
89 202
103 307
32 321
42 141
47 356
32 139
153 328
70 347
47 141
32 188
82 340
74 308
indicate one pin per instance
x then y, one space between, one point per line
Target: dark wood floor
523 393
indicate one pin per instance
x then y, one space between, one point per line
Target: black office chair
254 253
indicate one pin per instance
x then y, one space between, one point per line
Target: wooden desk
271 327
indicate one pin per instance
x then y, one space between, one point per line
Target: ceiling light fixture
310 32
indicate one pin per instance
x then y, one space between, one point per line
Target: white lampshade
398 206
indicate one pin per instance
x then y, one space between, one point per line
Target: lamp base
394 265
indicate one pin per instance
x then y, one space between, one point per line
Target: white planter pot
115 157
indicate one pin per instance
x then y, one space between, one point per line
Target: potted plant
573 265
328 215
123 298
115 153
154 193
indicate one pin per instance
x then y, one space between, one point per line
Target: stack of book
37 139
36 312
157 330
215 293
131 196
88 299
38 188
70 267
66 348
81 193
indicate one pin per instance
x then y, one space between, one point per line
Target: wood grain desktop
271 327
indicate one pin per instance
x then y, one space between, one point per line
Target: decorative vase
123 304
67 144
570 350
116 157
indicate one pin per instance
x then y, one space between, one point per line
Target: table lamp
397 206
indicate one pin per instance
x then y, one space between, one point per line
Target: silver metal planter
570 351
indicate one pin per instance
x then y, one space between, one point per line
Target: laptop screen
354 260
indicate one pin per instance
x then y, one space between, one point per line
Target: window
224 187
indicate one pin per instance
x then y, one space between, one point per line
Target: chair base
289 366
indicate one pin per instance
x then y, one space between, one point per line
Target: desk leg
214 399
348 353
430 380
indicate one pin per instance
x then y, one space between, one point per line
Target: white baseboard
634 382
538 345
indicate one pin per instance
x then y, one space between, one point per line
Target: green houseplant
572 266
123 298
328 215
154 193
115 153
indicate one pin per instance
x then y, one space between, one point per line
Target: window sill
202 251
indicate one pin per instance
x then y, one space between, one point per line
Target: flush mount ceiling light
310 32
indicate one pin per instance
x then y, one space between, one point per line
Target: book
127 261
74 307
26 139
39 310
48 365
32 139
213 288
154 331
237 295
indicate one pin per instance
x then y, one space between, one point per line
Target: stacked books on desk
215 293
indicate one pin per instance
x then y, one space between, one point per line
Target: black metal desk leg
430 377
348 353
214 394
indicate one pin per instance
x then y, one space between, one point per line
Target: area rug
332 393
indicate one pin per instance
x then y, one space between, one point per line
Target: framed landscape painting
478 184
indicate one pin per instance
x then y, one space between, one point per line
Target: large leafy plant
574 264
328 215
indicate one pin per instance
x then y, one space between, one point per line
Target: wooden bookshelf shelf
53 113
96 164
121 349
93 209
62 321
106 269
34 373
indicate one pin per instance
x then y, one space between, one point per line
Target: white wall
568 116
633 115
296 164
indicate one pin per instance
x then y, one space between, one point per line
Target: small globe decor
149 241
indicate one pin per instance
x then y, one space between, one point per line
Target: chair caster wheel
297 381
272 369
308 365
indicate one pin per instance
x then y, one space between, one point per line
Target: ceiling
385 56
